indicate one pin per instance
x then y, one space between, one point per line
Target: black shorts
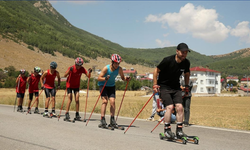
49 92
69 90
31 95
20 95
108 91
170 97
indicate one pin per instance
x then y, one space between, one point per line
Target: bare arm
42 78
18 78
101 75
155 74
59 78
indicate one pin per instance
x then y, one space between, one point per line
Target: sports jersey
73 81
33 83
22 85
111 81
50 80
170 72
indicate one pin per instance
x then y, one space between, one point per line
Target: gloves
71 68
89 70
42 87
107 77
186 90
156 88
127 78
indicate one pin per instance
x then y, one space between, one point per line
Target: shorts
170 97
31 95
49 92
69 90
20 95
107 91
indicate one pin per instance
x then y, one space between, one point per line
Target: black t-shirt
170 71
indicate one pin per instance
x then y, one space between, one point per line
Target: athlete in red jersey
20 89
48 83
74 74
33 81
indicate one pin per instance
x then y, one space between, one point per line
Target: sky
207 27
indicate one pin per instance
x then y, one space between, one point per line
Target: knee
179 107
77 101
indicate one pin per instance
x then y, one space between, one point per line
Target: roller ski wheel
68 120
194 139
46 115
183 140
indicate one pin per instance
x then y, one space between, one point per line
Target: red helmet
116 58
22 71
79 61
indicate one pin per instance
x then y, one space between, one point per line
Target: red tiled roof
203 69
146 79
232 77
245 79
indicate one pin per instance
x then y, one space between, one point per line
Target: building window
202 89
201 81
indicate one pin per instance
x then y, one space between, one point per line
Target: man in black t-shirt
168 84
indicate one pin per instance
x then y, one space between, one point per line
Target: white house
205 80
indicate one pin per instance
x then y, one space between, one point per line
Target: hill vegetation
40 26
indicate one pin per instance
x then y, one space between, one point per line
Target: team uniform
73 83
49 84
33 85
20 90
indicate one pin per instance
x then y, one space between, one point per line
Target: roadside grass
224 112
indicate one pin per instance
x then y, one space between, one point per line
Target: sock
167 127
179 125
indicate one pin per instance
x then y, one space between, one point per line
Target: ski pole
18 92
86 99
121 101
64 97
96 102
34 101
139 112
157 124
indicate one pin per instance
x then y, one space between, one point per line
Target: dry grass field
225 112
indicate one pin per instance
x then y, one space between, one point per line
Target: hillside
19 56
38 26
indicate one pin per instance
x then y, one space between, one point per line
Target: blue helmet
53 65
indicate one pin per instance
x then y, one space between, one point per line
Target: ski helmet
53 65
37 69
22 71
79 61
116 58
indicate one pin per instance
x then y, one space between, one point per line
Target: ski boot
77 118
21 109
53 114
18 109
169 134
36 111
67 118
103 123
114 124
46 114
28 110
180 134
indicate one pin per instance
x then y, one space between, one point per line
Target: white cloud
199 22
164 43
242 31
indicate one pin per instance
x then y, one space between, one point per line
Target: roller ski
20 109
164 136
46 115
67 118
28 110
194 139
114 124
78 118
103 125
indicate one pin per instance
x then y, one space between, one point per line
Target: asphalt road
21 131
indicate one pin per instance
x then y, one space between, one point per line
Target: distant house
245 82
205 80
127 72
233 78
